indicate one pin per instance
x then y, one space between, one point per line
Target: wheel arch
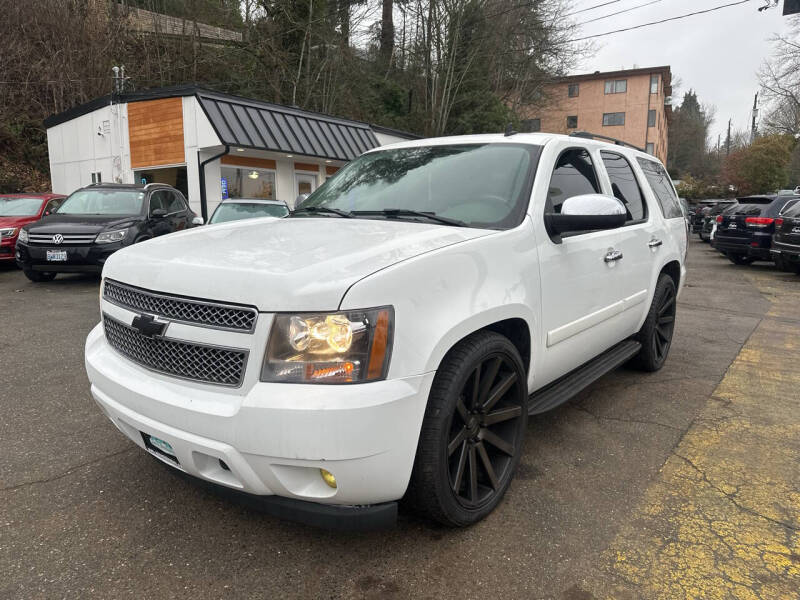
673 269
516 328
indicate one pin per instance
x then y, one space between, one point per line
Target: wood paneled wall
155 130
248 161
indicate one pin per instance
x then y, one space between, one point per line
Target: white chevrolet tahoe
390 338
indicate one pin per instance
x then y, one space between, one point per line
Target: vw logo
58 239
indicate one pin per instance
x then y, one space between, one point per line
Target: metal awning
263 126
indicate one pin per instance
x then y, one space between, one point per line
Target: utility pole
728 140
755 116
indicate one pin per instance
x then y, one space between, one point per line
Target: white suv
391 336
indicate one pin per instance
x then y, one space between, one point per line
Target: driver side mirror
158 213
197 220
589 212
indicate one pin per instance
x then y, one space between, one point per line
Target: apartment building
632 105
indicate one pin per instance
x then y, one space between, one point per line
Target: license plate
57 255
159 447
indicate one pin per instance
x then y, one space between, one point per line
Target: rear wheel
39 276
739 259
656 333
704 236
472 433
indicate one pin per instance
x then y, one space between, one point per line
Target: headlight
8 233
23 236
344 347
108 237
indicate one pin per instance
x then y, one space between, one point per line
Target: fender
442 296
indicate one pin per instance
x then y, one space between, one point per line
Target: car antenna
510 130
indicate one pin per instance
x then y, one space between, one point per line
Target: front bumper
272 438
88 258
7 249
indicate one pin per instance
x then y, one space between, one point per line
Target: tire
450 482
738 259
703 237
656 332
39 276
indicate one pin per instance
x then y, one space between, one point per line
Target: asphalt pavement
678 484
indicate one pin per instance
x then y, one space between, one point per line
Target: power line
691 14
591 8
619 12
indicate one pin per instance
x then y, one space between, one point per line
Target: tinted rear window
661 185
750 210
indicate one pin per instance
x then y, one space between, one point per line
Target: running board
575 381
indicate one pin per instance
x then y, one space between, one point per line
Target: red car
17 210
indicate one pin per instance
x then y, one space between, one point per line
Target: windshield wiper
393 213
323 210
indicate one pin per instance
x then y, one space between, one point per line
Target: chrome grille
68 239
187 360
195 312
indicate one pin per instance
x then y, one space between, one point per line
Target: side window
624 185
661 185
176 203
158 200
573 175
53 205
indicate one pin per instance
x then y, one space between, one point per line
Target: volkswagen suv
390 338
96 221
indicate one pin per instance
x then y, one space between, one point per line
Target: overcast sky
717 54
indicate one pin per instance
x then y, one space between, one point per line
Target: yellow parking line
722 519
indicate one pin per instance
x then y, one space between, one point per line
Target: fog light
328 478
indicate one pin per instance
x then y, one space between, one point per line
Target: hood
293 264
81 223
17 221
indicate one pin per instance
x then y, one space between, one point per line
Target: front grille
187 360
195 312
69 239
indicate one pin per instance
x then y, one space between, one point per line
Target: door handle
655 243
613 255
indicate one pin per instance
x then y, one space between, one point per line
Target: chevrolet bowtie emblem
148 326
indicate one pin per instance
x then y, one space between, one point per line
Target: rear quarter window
659 181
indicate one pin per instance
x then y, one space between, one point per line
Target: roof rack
596 136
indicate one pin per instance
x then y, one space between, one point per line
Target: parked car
712 223
96 221
17 210
393 334
241 208
710 215
785 248
701 210
745 234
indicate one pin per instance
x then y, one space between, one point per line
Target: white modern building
209 145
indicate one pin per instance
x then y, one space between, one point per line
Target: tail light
778 223
759 222
719 218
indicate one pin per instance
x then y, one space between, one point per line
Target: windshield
19 207
481 185
103 202
235 211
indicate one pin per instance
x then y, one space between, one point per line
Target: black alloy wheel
655 336
473 431
664 324
484 431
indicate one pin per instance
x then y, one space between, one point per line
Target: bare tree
780 81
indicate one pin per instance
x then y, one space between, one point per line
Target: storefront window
245 182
